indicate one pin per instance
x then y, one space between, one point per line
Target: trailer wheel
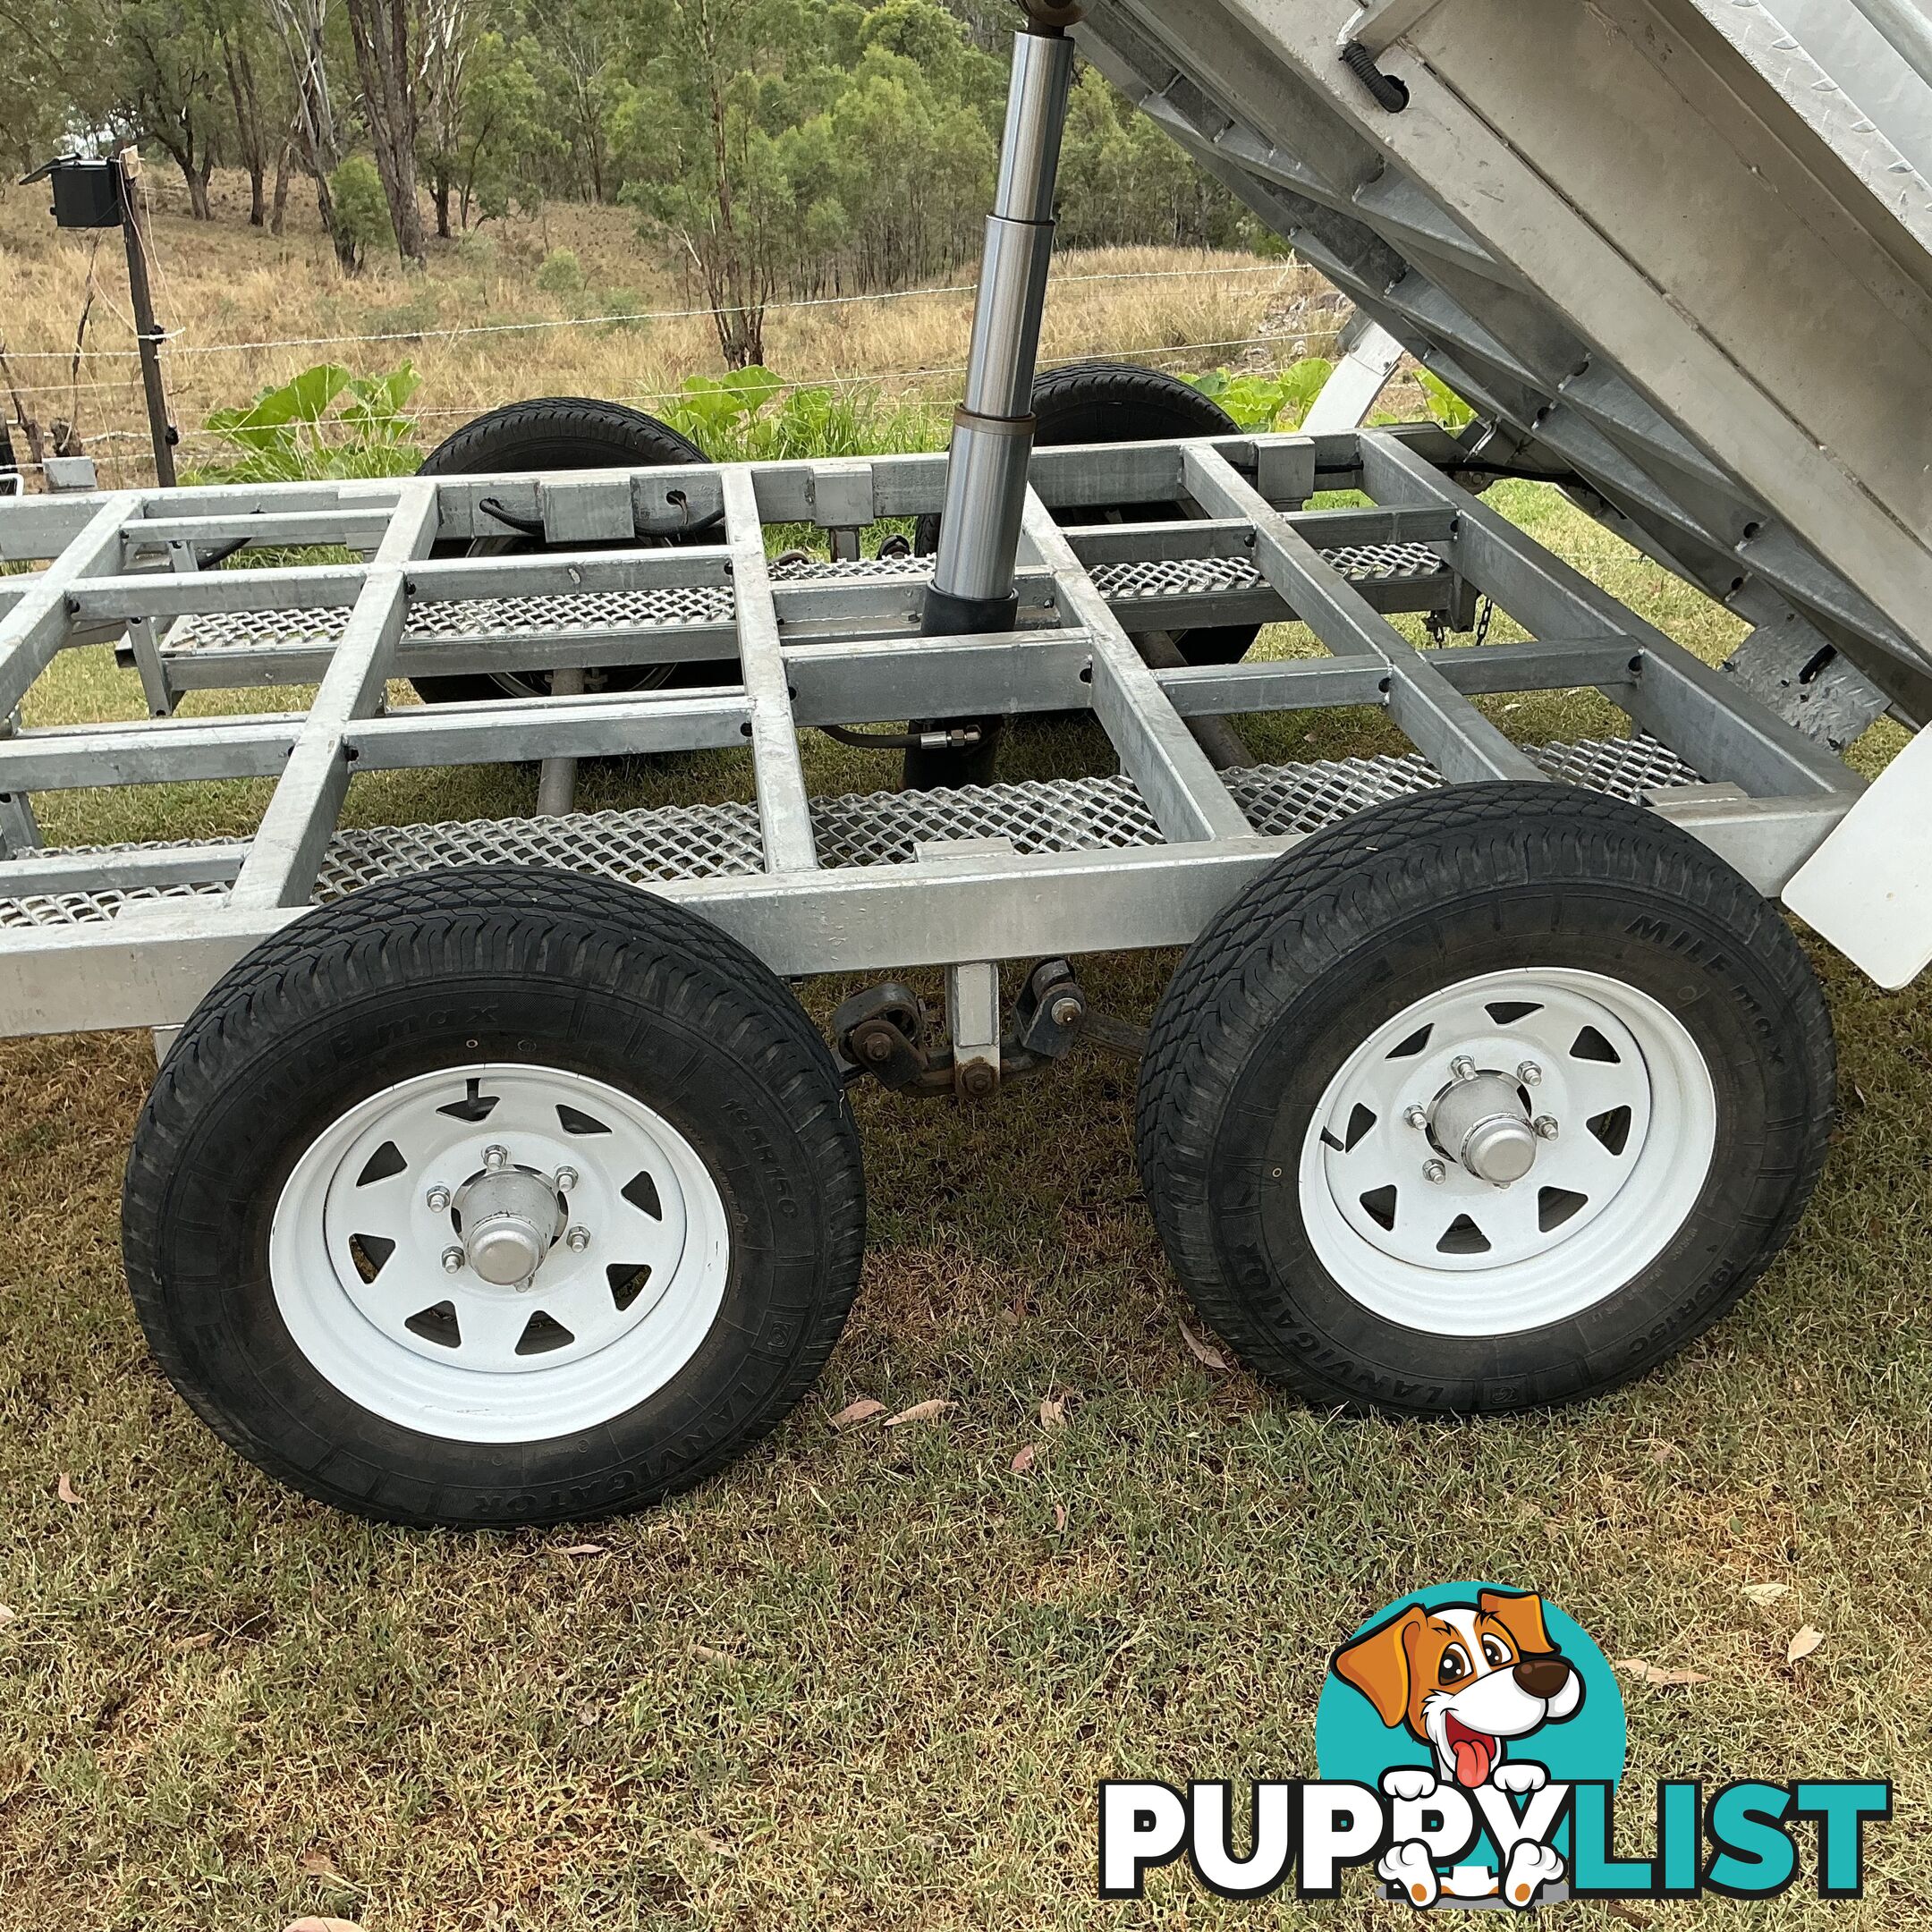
495 1195
1483 1100
553 433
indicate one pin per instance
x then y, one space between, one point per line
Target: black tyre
1095 402
555 433
379 1120
1483 1100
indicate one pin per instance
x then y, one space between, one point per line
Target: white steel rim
1408 1231
357 1255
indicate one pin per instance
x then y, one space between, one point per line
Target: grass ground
871 1678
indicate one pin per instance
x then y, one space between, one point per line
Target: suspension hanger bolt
1065 1012
1435 1173
496 1156
437 1199
1529 1074
453 1260
566 1179
1417 1117
1462 1067
577 1240
1546 1126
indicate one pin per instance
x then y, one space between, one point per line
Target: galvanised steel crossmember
129 935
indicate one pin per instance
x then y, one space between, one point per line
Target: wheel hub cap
1482 1122
474 1308
509 1220
1507 1151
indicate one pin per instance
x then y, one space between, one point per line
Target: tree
261 108
446 41
504 132
302 26
710 180
169 84
379 31
362 208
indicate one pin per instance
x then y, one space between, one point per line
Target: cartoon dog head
1464 1678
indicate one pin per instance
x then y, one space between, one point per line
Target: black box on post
86 194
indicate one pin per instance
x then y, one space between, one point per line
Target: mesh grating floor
881 827
586 613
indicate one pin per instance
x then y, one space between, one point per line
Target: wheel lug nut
566 1179
1434 1172
437 1200
1546 1126
577 1240
1417 1117
453 1260
1529 1074
1462 1067
496 1156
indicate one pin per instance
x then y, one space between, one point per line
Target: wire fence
58 398
182 346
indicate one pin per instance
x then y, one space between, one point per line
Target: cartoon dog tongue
1473 1753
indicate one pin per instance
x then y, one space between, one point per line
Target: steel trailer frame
134 936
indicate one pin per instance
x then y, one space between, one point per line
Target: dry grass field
870 1679
222 283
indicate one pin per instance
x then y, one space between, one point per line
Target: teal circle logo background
1352 1742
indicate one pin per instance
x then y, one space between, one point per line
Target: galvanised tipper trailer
494 1173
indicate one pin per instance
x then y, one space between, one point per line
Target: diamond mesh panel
590 612
684 841
1386 563
1623 767
1068 815
1122 583
1281 799
212 630
879 828
90 908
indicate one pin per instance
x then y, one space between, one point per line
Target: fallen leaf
1203 1352
858 1411
920 1411
199 1640
1804 1643
322 1925
1025 1460
589 1715
1053 1411
1651 1674
583 1549
705 1654
1662 1451
65 1490
1059 1515
7 1613
1764 1593
321 1865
